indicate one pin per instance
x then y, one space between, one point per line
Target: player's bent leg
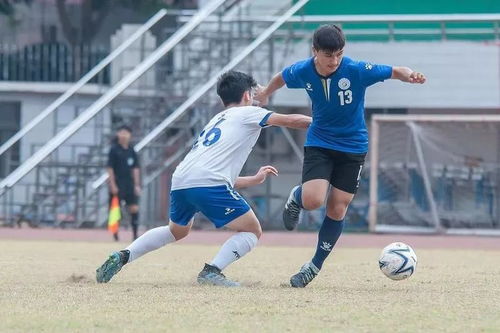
151 240
248 232
247 222
332 225
314 193
337 203
180 231
328 235
310 195
156 238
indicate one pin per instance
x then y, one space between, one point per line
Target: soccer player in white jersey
205 181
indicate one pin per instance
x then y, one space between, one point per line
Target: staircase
60 192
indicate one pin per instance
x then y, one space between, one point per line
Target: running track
271 238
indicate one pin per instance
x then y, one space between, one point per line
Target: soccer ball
398 261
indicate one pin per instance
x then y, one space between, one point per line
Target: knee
134 209
337 211
178 232
258 231
255 229
312 202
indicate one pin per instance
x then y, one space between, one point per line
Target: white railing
117 89
200 91
390 20
364 18
80 83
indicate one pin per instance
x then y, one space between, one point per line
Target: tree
7 6
94 12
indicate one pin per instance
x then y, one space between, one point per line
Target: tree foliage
82 28
7 6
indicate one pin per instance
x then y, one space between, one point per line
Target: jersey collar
322 76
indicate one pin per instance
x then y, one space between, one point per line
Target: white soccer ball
398 261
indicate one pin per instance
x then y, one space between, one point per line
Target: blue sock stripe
328 235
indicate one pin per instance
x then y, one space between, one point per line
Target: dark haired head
124 128
329 38
232 85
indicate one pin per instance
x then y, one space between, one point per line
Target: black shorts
341 169
127 195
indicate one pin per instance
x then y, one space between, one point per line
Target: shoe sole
208 282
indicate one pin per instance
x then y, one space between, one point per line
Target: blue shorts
220 204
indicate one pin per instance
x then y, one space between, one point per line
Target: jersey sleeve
291 76
258 117
373 73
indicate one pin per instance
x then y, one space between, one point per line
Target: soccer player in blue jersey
337 140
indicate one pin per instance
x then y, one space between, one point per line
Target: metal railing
80 83
200 91
51 62
104 100
80 203
391 20
366 18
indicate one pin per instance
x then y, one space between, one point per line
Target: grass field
49 286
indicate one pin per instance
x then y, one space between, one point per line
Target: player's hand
137 190
416 77
265 171
260 96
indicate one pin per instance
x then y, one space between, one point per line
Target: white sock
234 248
151 240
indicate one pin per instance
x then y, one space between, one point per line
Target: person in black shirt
124 175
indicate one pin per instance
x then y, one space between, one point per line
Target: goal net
435 173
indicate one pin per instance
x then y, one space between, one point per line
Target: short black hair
125 128
328 37
232 85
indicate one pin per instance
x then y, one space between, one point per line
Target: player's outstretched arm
406 74
263 93
289 120
258 178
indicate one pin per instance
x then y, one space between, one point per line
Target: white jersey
222 148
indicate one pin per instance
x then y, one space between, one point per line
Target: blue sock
328 235
298 196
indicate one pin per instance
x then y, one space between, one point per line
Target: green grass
49 287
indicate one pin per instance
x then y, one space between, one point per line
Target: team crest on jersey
130 161
368 66
344 83
309 86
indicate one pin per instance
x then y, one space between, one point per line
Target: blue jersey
337 101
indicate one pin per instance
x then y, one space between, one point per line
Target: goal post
435 173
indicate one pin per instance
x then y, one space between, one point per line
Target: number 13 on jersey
345 97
